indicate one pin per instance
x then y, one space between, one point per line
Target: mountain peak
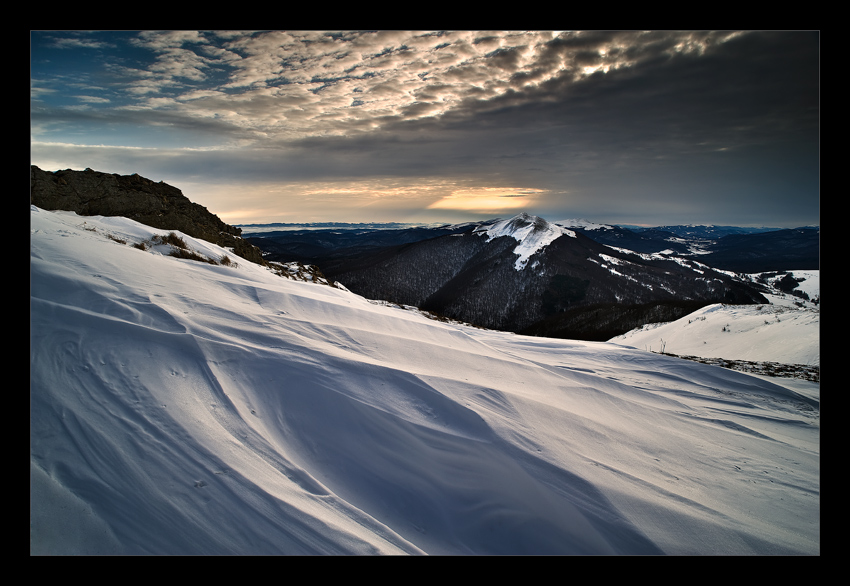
532 232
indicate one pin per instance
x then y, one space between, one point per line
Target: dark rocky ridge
159 205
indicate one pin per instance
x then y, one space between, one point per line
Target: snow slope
777 332
181 407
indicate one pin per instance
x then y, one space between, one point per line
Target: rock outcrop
159 205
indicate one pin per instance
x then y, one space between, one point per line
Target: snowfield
185 407
777 332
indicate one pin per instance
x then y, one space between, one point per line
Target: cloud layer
650 122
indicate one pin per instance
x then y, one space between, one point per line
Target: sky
624 127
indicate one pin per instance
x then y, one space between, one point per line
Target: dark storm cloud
758 90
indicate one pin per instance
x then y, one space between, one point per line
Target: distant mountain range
743 250
566 279
573 278
733 248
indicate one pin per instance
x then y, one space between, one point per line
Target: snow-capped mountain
525 273
533 234
193 405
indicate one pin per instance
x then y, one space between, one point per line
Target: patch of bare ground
777 369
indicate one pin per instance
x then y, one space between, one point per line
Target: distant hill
319 245
779 250
787 331
743 250
711 232
646 241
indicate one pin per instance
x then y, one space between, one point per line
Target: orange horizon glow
487 199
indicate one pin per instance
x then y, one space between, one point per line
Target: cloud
389 74
594 114
302 84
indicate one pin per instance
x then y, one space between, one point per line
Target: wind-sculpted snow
181 407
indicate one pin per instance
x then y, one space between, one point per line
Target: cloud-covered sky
626 127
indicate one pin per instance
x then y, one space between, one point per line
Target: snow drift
184 407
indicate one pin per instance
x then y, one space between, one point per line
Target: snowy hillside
186 407
786 331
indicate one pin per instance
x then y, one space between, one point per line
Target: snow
532 233
616 262
808 282
181 407
786 331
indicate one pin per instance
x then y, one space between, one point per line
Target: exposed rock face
159 205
